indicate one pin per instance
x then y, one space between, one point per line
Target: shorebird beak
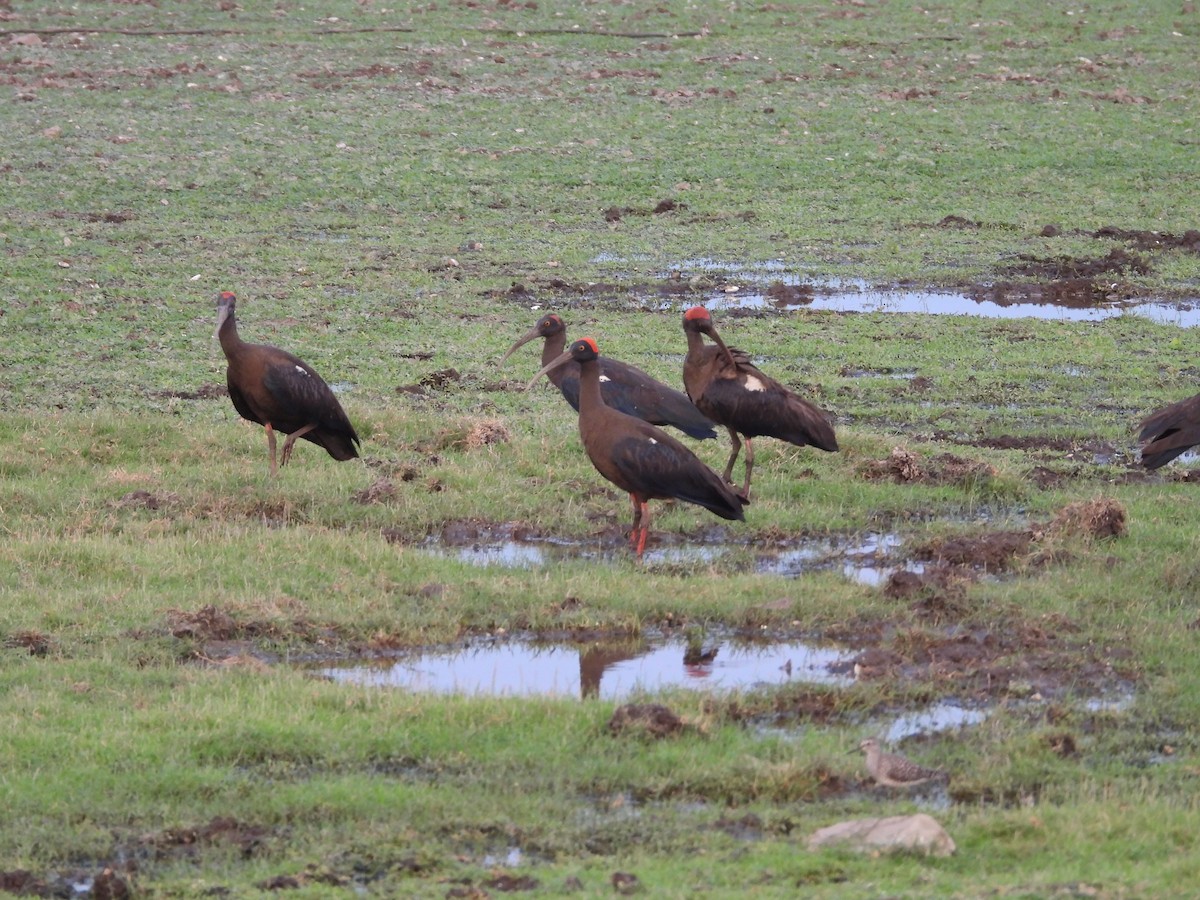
521 342
553 364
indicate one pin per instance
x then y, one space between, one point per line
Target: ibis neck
228 334
695 342
553 346
589 387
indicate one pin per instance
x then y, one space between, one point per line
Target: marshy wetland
967 231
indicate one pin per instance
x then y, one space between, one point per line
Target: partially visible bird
640 459
894 770
1170 432
281 392
731 391
625 387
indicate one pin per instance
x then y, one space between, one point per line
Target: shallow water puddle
866 559
608 671
743 287
942 716
860 297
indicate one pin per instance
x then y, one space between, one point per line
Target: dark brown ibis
640 459
281 392
1170 432
731 391
624 387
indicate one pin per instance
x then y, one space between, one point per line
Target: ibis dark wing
658 466
756 405
633 392
568 384
1170 432
301 397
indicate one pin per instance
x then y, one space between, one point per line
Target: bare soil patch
189 842
904 466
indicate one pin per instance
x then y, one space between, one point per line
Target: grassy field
396 194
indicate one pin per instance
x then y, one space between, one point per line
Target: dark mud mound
191 841
903 466
1149 241
647 720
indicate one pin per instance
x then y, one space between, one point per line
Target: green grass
372 181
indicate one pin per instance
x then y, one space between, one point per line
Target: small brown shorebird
893 770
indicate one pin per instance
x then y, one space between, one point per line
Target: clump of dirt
216 635
440 380
960 223
798 700
1063 744
380 491
1067 268
790 294
617 213
486 432
903 466
1092 519
997 551
994 551
1152 240
1016 659
469 435
506 883
1064 280
652 720
937 593
207 391
147 500
248 840
38 643
209 623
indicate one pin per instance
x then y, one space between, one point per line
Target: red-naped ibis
640 459
281 392
731 391
624 387
1170 432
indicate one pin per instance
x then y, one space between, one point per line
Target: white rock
920 832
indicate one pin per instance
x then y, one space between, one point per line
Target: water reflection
867 559
604 670
784 289
942 716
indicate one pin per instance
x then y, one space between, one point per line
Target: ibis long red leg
291 441
637 521
641 528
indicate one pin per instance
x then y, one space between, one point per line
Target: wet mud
1057 287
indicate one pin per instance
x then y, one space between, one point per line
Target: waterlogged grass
395 193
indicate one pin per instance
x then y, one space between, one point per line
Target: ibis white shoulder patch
753 384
